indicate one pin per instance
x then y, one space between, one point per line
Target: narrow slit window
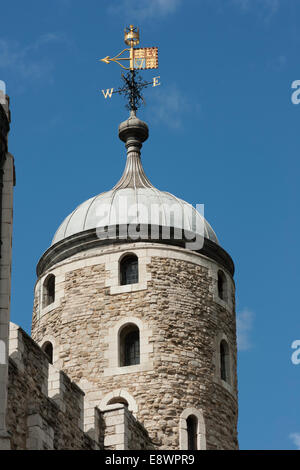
192 425
49 290
222 286
48 350
224 361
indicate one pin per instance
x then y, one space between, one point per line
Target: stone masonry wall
123 431
181 321
34 420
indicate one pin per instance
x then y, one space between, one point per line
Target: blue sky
223 132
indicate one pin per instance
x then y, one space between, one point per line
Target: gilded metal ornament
145 58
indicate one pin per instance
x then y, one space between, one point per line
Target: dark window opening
224 361
129 273
222 286
49 290
118 400
192 424
48 350
130 346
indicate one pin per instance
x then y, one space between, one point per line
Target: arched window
129 271
129 345
224 361
222 286
49 290
192 431
118 400
192 427
48 350
119 396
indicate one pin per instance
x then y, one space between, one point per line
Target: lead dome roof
134 200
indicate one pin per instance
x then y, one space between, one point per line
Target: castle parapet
123 431
45 408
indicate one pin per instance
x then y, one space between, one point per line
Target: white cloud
244 324
295 437
272 5
169 107
49 38
243 4
148 9
25 60
277 63
265 8
144 9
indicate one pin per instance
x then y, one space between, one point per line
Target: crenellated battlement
46 408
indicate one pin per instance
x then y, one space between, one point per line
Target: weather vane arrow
116 59
139 59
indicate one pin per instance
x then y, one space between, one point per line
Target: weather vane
139 59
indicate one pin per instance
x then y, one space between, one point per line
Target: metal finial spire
139 59
133 132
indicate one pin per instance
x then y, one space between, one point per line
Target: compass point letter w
108 92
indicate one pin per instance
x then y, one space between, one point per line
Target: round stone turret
140 318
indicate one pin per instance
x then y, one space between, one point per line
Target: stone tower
7 182
135 301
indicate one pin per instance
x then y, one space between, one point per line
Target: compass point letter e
156 81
